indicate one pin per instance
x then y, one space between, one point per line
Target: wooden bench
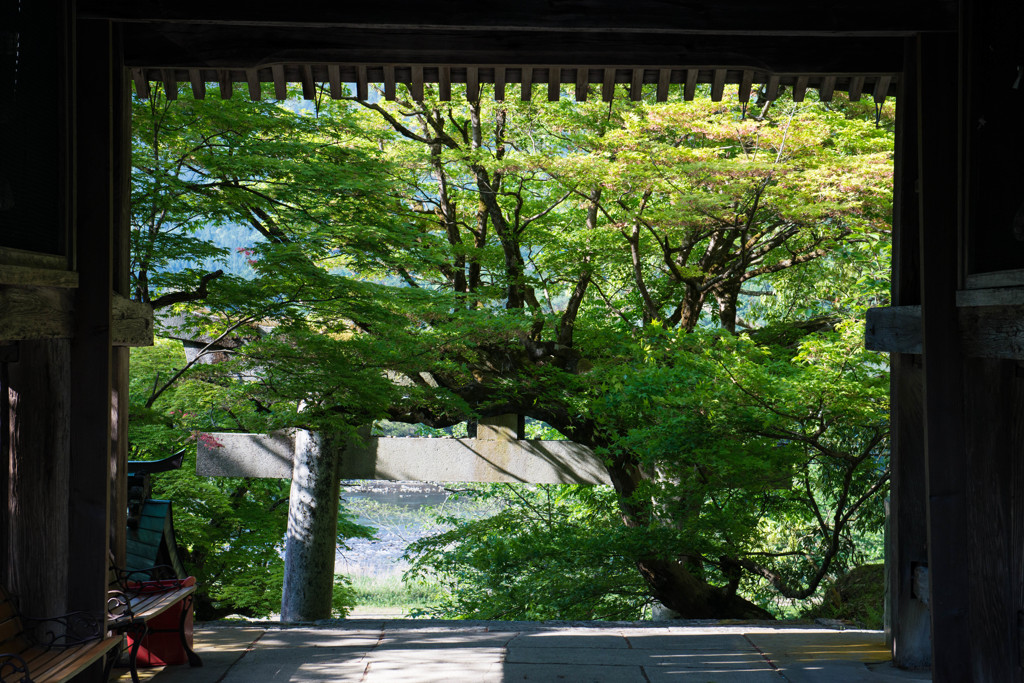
134 605
74 642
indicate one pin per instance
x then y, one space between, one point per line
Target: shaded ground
379 651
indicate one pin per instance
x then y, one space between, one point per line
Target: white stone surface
411 459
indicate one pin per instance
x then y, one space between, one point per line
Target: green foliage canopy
585 264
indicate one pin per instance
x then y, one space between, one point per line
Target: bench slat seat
21 658
138 603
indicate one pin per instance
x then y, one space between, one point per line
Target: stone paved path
393 651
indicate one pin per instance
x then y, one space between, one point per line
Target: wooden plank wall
35 380
992 205
994 401
37 403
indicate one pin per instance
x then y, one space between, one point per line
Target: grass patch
390 592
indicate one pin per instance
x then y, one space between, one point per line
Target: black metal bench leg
193 658
112 658
140 631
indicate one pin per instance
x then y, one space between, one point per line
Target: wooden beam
362 83
35 276
986 331
856 88
416 83
334 80
1000 278
141 84
131 322
881 90
800 89
239 47
690 90
227 88
743 91
643 18
195 77
321 72
499 83
827 88
554 83
772 88
582 83
280 85
526 83
717 85
444 83
997 296
894 329
170 84
636 85
35 313
664 77
308 86
252 78
472 84
389 83
608 84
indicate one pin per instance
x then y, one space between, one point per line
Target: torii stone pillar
316 465
312 529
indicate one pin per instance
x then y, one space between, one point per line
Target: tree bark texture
312 529
671 582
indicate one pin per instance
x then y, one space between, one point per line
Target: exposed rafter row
556 78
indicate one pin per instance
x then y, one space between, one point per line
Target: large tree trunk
312 529
670 580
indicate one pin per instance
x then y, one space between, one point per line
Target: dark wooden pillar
91 363
909 627
946 469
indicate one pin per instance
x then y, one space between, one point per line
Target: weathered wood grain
993 331
893 329
33 276
36 402
909 627
35 313
999 278
32 259
992 404
997 296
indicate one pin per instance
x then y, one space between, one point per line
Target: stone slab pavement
424 651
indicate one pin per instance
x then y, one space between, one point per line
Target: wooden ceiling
580 47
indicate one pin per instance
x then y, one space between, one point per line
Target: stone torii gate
316 465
